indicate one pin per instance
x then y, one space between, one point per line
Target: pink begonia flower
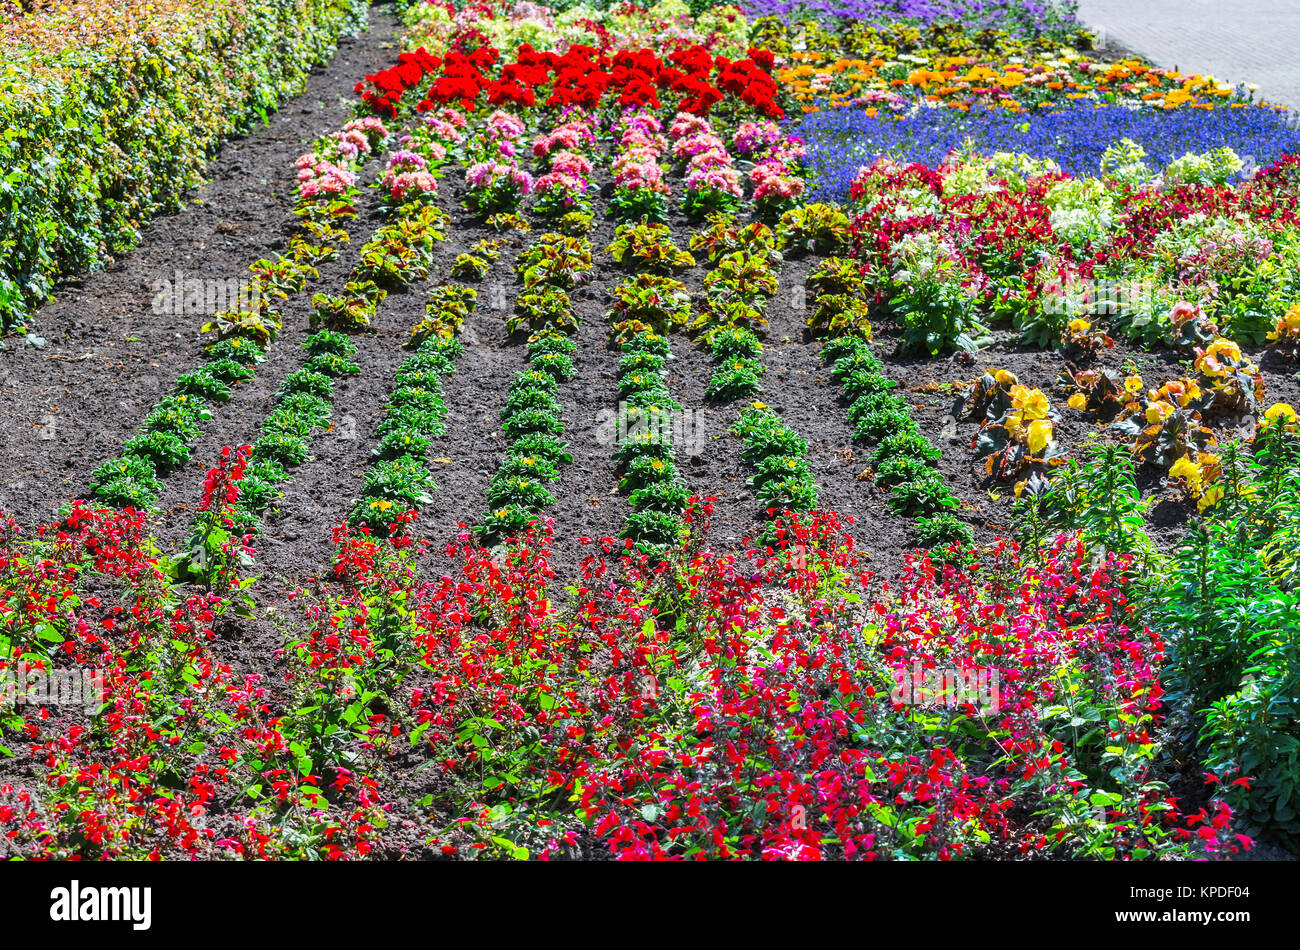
318 176
405 157
753 137
711 159
696 143
717 179
503 125
644 122
444 130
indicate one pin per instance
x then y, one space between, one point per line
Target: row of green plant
399 480
903 460
239 338
645 444
531 420
531 414
743 276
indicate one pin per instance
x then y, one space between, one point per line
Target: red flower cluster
389 84
751 84
462 79
583 75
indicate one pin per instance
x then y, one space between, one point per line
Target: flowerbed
1064 681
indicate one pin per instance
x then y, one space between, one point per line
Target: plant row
326 200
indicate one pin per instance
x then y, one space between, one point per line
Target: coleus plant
649 247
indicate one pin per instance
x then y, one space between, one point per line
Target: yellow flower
1193 391
1033 404
1289 324
1077 401
759 405
1280 412
1040 433
1005 377
1133 384
1186 469
1157 412
1218 357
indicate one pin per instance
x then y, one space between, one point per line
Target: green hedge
98 135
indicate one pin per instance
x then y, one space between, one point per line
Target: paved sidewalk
1239 41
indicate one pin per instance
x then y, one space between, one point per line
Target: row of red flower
581 76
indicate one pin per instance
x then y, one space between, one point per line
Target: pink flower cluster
407 173
485 175
774 179
352 144
331 168
371 126
637 166
569 175
320 176
444 130
567 178
575 134
752 138
709 168
502 129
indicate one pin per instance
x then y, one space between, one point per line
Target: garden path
1240 41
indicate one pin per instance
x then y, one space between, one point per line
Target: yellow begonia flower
1280 412
1186 469
1077 401
1034 404
1158 412
1040 433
